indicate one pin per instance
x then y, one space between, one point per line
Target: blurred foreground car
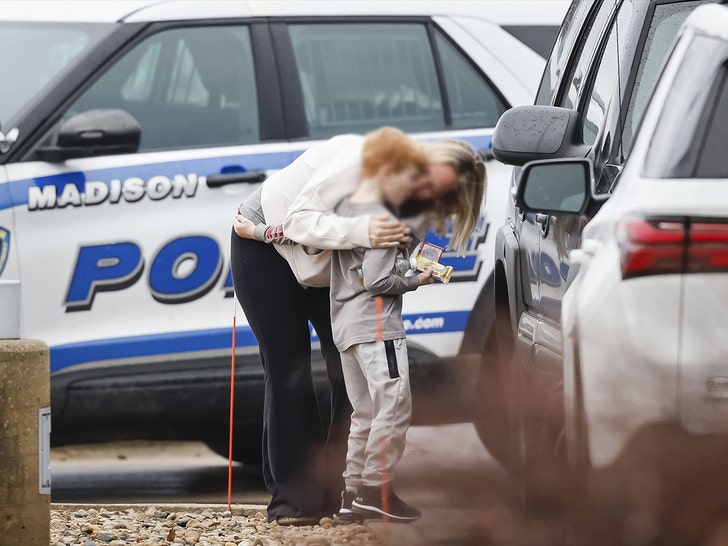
590 104
132 130
645 318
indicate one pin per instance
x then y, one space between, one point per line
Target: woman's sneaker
370 503
346 513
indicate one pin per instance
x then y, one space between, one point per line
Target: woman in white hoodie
282 287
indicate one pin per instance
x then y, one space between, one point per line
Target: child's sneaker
345 513
368 503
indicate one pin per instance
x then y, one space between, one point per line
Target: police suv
132 130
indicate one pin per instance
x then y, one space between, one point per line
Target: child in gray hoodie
366 319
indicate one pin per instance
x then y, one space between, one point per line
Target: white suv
644 320
131 132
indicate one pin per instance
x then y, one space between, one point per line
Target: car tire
537 449
541 468
491 407
492 414
247 444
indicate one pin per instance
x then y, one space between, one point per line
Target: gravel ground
152 527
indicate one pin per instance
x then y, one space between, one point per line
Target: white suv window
187 87
690 136
711 160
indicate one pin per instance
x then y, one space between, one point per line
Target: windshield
34 55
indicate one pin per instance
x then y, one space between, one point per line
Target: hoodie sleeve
310 219
271 235
378 277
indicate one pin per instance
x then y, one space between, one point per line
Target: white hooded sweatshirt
302 197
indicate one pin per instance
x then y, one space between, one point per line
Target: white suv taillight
657 246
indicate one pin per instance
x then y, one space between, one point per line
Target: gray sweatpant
376 375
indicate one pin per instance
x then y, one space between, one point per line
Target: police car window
663 28
473 102
187 87
358 76
540 38
605 84
579 69
35 54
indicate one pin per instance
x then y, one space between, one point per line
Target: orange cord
379 311
232 405
385 483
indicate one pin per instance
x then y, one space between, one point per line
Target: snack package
428 255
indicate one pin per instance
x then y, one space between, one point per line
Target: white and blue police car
129 133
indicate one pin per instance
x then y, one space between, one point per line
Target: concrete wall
24 389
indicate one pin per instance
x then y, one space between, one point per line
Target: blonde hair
462 206
390 146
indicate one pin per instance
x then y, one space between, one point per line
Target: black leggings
302 463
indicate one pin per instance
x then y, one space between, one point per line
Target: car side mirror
529 133
94 133
557 186
7 140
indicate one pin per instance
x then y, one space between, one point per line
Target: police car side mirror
557 186
7 140
94 133
529 133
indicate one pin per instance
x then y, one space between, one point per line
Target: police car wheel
247 447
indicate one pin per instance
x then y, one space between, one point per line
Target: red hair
390 146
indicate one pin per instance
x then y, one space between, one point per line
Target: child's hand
425 277
243 227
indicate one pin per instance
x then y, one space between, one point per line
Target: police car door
126 255
356 74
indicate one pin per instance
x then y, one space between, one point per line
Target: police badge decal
4 247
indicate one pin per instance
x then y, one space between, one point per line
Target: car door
598 101
608 84
545 239
125 257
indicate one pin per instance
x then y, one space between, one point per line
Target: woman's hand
425 277
243 227
386 232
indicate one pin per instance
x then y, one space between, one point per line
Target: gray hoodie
358 277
